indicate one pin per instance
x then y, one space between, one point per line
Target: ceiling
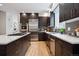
26 7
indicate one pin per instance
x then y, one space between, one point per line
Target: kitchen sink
16 34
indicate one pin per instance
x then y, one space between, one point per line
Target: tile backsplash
71 26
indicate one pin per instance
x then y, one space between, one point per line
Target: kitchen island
14 45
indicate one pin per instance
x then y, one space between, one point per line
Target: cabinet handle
71 13
75 12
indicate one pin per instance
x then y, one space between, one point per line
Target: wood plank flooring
38 48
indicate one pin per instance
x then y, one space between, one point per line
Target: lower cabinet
2 50
63 48
59 47
12 48
52 46
67 49
42 36
16 48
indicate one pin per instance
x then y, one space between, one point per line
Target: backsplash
71 26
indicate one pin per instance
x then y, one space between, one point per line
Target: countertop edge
14 39
62 38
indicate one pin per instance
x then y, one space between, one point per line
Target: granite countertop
65 37
5 39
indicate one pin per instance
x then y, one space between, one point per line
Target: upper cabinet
68 11
27 16
44 22
76 7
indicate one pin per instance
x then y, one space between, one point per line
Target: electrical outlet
68 28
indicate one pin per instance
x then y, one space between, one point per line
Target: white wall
56 11
12 21
54 6
62 25
2 22
44 14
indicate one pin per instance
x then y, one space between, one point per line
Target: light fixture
24 14
1 4
33 14
49 10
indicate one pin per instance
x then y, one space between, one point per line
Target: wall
2 22
54 6
56 11
12 22
62 25
72 24
44 14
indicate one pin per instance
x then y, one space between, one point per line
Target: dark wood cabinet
76 8
63 48
44 22
52 45
68 8
65 11
12 48
16 48
59 47
2 50
68 11
61 12
42 36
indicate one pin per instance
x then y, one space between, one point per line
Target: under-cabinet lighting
1 4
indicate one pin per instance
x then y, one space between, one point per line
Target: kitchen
27 29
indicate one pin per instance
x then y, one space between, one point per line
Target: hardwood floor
38 48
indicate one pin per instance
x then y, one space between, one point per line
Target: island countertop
5 39
65 37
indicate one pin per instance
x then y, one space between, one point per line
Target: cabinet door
52 46
76 9
44 21
58 48
48 41
26 44
66 52
61 12
14 48
18 47
67 49
66 11
41 36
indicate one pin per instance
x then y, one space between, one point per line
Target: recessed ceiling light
33 14
24 14
1 4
